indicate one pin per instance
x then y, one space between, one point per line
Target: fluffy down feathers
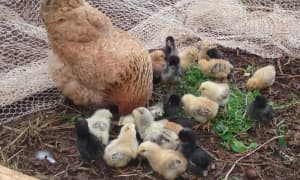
218 92
166 162
262 78
201 109
172 104
206 45
154 131
217 68
159 62
198 159
188 57
88 145
95 63
260 110
99 125
171 125
120 151
126 119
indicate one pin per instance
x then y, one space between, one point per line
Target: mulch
21 139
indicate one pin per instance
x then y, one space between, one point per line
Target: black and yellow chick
172 73
198 159
88 145
172 105
259 110
214 53
170 49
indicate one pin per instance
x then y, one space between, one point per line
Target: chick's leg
207 126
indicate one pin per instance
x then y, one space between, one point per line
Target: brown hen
93 62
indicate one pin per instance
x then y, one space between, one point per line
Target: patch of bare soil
20 140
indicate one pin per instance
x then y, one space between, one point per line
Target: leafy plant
227 126
282 131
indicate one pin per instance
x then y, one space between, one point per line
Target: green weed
233 123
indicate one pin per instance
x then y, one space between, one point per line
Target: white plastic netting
268 28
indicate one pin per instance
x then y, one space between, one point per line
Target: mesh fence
268 28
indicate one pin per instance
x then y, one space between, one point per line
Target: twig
14 141
279 66
126 175
248 154
286 76
15 154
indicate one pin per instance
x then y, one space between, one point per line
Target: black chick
114 109
170 48
199 159
172 104
184 122
88 145
214 53
172 73
259 110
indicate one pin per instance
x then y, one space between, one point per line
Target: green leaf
238 146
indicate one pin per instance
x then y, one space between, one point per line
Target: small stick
279 66
248 154
14 141
15 154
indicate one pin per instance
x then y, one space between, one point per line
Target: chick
99 124
172 104
120 151
157 110
206 45
184 122
201 109
262 78
260 110
175 127
126 119
188 57
218 92
198 159
88 144
159 62
168 163
217 68
214 53
170 49
154 131
172 73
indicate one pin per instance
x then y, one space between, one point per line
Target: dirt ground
20 140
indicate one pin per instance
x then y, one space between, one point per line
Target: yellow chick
217 68
120 151
201 109
218 92
188 57
159 62
99 124
205 46
262 78
168 163
154 131
126 119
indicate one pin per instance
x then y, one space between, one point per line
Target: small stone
247 74
251 173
